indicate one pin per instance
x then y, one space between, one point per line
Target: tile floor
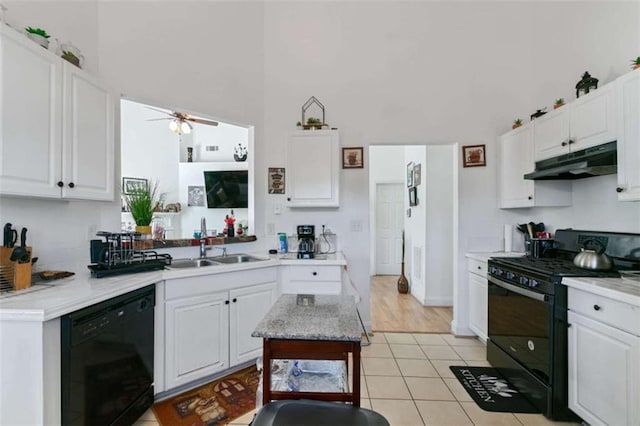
406 378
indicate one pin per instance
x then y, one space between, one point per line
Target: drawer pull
314 273
479 267
235 300
596 307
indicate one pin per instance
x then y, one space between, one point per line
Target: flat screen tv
227 188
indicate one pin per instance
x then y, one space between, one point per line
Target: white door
88 137
389 223
197 337
30 115
248 306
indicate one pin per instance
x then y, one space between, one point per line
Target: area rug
491 391
216 403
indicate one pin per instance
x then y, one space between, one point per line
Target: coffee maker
306 241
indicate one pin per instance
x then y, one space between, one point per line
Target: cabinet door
551 133
313 174
593 118
248 306
604 367
30 116
478 305
197 336
88 136
516 159
628 87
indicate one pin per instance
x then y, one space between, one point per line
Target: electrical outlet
277 208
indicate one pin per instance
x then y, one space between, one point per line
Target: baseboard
460 331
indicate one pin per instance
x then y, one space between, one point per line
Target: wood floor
395 312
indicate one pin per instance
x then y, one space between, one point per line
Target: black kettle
593 259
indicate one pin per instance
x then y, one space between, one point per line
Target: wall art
473 156
276 180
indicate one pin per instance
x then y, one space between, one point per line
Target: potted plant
313 123
516 123
70 57
142 202
38 35
635 63
559 102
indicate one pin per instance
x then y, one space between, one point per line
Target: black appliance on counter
107 360
306 241
527 314
123 253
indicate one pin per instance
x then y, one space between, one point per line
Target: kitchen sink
236 258
192 263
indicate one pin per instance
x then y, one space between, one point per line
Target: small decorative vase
189 154
42 41
515 126
403 283
240 157
144 230
230 231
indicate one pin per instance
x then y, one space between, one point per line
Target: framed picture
129 184
195 196
473 156
410 174
352 158
413 196
417 174
276 180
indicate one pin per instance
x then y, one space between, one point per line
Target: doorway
430 225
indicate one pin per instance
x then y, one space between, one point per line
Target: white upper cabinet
516 159
30 117
88 139
587 121
628 87
313 168
57 125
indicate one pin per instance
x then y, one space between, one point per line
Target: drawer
616 314
477 267
315 273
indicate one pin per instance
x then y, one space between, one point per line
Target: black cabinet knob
60 184
71 184
571 142
235 300
479 267
619 190
530 197
226 302
596 307
314 273
564 144
288 198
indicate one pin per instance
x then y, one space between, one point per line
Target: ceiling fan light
185 127
173 125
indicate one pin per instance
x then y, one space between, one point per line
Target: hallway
394 312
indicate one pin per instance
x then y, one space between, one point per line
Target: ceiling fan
180 121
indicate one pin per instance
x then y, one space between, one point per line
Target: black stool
315 413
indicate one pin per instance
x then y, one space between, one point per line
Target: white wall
388 73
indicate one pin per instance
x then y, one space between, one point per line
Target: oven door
520 322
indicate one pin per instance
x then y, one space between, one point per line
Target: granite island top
327 317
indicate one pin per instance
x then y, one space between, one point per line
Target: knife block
20 274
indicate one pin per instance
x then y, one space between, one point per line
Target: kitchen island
321 327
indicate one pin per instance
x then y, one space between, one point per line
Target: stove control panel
520 279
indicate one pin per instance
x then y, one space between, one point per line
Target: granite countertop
328 318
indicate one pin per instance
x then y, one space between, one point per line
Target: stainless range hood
595 161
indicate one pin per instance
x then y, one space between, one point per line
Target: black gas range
527 313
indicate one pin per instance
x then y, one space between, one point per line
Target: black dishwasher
107 360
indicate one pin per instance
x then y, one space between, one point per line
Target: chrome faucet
224 250
203 237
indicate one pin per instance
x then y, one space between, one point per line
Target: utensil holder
18 275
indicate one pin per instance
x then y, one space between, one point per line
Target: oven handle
524 292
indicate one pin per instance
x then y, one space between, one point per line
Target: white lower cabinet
478 297
604 360
311 279
208 321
